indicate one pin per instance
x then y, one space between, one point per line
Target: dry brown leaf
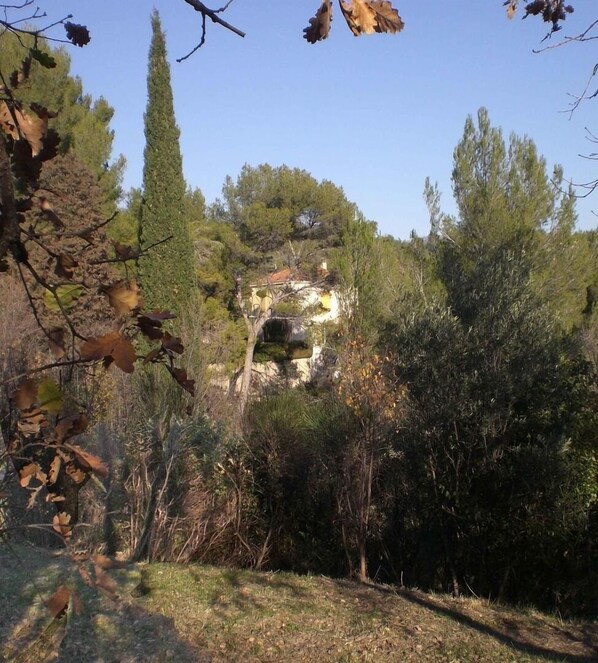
59 601
319 25
125 252
105 562
387 17
85 575
78 34
104 582
360 17
89 461
32 422
27 473
77 603
152 355
51 143
124 355
26 166
33 497
180 375
49 213
61 524
7 122
54 469
69 427
54 497
159 315
110 347
123 296
76 474
150 328
172 343
26 394
65 266
17 124
56 341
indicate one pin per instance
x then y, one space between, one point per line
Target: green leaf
45 59
49 396
66 295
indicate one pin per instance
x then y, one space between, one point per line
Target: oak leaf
150 330
159 315
104 582
31 422
33 497
511 7
76 474
180 375
45 59
69 427
65 266
61 524
27 472
16 78
77 34
59 601
387 17
56 341
26 394
123 296
54 470
17 124
125 252
112 347
172 343
50 148
152 355
150 323
104 562
319 25
22 74
63 298
360 17
89 461
26 166
50 396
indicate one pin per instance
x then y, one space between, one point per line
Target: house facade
292 342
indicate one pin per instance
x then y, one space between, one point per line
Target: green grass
196 613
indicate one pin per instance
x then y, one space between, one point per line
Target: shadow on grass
516 642
127 634
28 576
245 592
105 630
514 634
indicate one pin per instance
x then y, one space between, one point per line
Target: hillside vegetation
169 612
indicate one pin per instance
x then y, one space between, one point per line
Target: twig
212 14
46 367
581 37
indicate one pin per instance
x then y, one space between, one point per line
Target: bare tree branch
212 14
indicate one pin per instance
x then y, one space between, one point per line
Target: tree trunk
363 561
247 368
9 223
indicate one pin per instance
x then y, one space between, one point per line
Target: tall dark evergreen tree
167 271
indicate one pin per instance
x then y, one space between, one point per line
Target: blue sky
375 115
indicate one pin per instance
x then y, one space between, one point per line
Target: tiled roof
288 275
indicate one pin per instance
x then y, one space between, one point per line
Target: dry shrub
187 499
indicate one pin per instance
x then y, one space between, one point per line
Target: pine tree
166 271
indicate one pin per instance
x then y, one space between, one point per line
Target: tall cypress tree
166 272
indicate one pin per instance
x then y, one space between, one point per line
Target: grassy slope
193 613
